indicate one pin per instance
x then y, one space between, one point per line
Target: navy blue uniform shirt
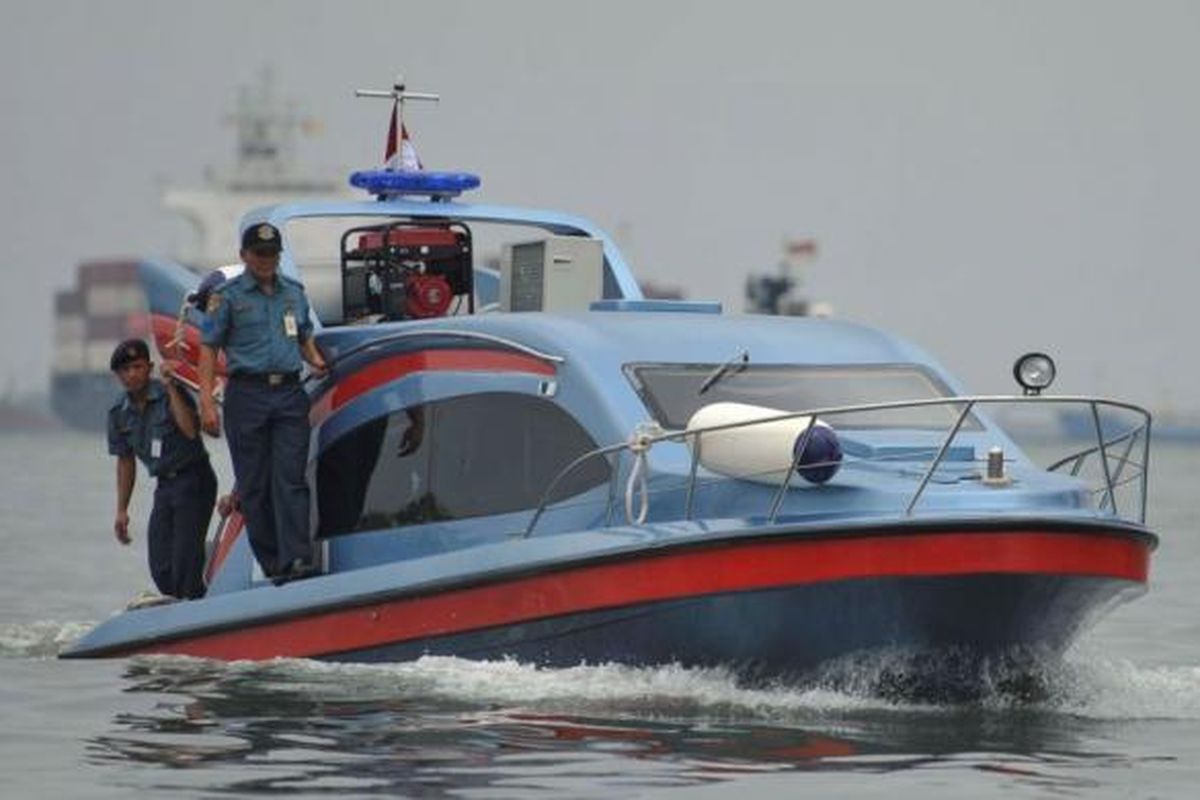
252 325
133 433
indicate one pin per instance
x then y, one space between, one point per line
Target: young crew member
261 319
155 422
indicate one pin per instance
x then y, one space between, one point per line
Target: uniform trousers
183 506
268 430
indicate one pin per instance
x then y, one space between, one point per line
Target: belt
268 378
188 467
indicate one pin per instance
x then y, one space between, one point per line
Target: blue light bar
383 182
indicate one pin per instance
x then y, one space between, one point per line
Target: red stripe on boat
667 576
394 367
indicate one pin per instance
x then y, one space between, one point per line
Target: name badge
289 325
156 448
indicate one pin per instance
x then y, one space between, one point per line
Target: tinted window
462 457
672 392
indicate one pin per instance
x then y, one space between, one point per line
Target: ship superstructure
106 303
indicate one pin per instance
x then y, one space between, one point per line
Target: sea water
1120 717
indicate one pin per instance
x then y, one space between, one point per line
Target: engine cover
428 295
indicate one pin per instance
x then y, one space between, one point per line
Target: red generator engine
406 271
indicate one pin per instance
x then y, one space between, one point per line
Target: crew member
155 421
261 319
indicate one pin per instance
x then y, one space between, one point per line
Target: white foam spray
1087 683
43 639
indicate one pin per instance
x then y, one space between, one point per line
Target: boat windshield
673 393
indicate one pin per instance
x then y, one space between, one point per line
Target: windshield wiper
739 362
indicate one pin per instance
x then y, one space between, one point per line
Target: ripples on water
1121 717
445 726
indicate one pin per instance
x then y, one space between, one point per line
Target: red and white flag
400 155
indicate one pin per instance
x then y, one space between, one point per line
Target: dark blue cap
127 352
262 237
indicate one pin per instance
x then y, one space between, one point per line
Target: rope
178 337
639 445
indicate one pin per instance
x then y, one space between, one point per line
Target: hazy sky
982 177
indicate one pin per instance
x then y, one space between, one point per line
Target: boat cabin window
468 456
672 392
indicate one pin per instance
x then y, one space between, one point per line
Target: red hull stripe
389 369
734 567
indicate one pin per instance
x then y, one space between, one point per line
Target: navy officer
261 320
155 421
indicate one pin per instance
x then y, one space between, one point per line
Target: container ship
105 306
106 303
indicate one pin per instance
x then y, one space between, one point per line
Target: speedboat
516 455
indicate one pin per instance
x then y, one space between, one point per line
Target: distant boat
1078 423
1168 427
780 294
25 414
106 303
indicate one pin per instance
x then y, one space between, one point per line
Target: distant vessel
104 307
24 413
1079 424
780 294
265 171
106 303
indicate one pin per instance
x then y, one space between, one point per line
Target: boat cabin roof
552 222
618 332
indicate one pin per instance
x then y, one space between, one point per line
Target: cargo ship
105 306
106 303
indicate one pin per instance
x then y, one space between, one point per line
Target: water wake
1087 684
1084 686
44 639
1092 686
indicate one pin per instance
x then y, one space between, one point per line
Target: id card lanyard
290 328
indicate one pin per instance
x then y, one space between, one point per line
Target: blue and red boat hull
771 605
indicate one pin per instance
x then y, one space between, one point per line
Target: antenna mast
399 93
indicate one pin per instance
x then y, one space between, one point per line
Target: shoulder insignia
214 302
294 284
115 411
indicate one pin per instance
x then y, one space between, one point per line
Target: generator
405 271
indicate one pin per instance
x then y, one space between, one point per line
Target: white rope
638 484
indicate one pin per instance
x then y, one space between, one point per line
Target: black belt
188 467
268 378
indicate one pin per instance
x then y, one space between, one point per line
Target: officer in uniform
261 319
155 422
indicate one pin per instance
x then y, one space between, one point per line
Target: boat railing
1119 458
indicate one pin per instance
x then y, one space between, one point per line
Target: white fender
761 453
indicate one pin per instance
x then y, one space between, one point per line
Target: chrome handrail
969 403
1062 462
945 448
